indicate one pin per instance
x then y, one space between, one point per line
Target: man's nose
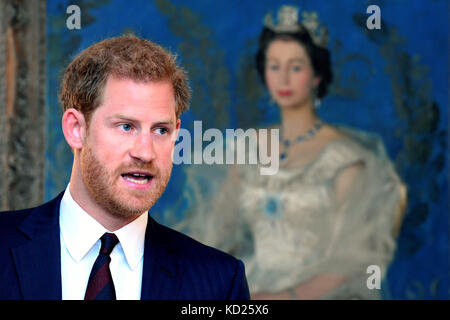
143 148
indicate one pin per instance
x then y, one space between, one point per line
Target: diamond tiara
288 22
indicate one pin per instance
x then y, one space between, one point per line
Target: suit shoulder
10 219
208 272
192 249
9 223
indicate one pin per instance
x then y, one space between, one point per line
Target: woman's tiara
288 22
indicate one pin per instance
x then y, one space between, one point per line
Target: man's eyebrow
131 119
164 123
120 116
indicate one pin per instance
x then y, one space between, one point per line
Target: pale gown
289 227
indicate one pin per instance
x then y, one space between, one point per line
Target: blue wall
392 81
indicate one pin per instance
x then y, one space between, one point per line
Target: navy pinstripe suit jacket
175 266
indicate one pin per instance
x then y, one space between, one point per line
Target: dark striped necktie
100 285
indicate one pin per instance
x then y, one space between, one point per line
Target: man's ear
74 128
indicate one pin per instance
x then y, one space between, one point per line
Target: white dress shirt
80 245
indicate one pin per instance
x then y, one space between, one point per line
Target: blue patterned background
392 81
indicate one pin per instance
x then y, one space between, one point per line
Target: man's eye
162 130
296 68
126 126
273 67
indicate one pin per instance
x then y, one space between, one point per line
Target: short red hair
125 56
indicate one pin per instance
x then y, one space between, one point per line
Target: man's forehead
126 97
129 116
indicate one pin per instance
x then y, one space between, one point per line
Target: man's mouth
137 177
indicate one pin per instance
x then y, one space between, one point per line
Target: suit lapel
38 261
162 275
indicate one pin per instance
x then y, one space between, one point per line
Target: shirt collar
80 232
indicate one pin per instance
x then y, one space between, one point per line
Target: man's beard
102 186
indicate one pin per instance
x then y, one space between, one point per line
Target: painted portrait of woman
334 207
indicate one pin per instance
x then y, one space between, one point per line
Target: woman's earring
317 103
316 100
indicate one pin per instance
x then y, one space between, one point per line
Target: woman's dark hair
319 57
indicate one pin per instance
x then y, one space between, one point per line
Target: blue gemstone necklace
308 135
